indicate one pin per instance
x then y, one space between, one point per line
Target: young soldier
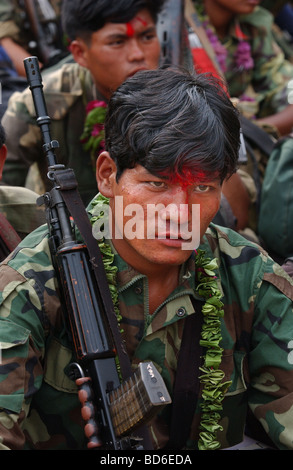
238 315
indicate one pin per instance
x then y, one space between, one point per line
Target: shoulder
32 256
226 241
260 18
18 204
16 195
62 88
244 263
66 78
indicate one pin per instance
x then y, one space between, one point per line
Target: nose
136 52
176 209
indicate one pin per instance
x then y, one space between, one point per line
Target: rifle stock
112 410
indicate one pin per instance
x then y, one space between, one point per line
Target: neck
220 17
162 278
151 269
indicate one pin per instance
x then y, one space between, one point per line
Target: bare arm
16 53
283 120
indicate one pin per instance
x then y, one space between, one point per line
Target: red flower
95 104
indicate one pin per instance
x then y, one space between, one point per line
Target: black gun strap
186 388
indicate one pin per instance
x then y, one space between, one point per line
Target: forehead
141 21
185 177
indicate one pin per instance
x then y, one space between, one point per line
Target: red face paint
143 22
186 177
129 30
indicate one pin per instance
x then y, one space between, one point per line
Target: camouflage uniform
263 89
38 402
20 209
67 91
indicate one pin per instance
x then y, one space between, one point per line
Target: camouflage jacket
39 408
67 92
20 208
262 90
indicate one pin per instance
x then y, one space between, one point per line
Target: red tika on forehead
186 177
130 29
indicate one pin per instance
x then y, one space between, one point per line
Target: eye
157 184
149 36
202 188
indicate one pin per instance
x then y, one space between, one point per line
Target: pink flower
220 50
97 128
243 57
95 104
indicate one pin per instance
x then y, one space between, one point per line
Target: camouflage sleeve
63 91
272 72
8 26
25 294
271 358
23 138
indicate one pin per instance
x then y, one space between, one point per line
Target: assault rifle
113 411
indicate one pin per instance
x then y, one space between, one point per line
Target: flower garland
214 388
212 377
93 136
242 57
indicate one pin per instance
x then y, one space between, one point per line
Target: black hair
172 120
2 135
83 17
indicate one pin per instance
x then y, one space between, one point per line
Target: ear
78 49
3 153
106 171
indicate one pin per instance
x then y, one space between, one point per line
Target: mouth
170 239
136 70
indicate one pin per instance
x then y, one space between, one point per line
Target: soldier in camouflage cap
157 155
109 42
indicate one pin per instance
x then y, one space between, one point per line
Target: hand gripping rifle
113 411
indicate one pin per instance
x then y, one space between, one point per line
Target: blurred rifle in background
46 28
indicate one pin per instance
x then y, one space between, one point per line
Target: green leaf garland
214 388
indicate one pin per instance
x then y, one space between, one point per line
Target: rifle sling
68 188
186 388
